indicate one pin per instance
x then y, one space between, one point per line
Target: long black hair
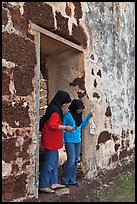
55 105
75 105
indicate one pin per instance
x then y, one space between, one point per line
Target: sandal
58 186
46 190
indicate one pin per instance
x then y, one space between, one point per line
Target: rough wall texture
110 66
106 31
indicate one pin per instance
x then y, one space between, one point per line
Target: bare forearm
62 127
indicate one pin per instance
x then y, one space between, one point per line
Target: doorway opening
60 65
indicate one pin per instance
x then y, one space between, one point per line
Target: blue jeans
70 167
49 171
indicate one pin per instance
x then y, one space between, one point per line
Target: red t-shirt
51 137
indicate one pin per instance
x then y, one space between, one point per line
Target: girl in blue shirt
72 140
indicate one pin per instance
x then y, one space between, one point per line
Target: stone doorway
60 65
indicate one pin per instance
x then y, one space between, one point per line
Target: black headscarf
59 99
75 105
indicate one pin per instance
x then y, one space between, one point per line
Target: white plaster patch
13 103
132 142
125 87
20 141
17 123
19 162
61 8
13 3
12 87
58 6
32 149
8 64
21 4
9 27
31 182
6 169
6 129
93 127
104 153
25 104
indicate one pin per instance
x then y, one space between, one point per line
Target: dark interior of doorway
59 65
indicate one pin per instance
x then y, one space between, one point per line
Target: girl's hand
69 128
91 114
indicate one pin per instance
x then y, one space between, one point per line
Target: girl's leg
54 172
50 157
68 167
73 179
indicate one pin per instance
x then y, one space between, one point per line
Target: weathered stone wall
106 31
19 141
110 84
43 89
18 73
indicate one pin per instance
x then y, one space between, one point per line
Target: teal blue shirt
75 135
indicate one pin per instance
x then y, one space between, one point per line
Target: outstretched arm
85 121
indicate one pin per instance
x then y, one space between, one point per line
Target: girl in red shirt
52 139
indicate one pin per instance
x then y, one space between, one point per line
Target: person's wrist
66 128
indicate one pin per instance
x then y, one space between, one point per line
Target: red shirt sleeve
54 121
51 137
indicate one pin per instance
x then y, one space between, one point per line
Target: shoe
46 190
66 184
57 186
73 184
